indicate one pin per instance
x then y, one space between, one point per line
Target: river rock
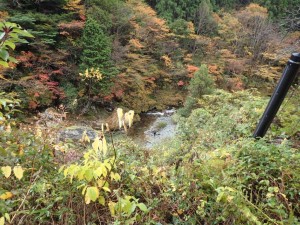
112 121
76 132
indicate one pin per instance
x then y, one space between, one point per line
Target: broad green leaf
4 54
18 171
6 170
128 206
13 60
10 44
142 207
2 35
88 175
23 33
14 35
9 24
92 193
23 41
2 220
4 64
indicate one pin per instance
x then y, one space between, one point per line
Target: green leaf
220 196
128 206
4 54
61 169
10 44
23 33
2 35
7 217
88 175
4 64
23 41
142 207
92 193
12 59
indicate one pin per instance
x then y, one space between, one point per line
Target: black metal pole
285 82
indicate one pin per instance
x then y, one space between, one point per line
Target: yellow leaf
117 177
6 195
2 220
129 117
6 170
85 138
107 127
100 183
106 189
102 200
120 116
98 172
18 171
92 193
111 206
87 199
95 144
104 146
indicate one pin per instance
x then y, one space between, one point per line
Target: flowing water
153 128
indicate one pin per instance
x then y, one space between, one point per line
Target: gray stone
76 132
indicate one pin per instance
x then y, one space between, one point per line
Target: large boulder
76 132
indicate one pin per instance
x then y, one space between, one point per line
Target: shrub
201 84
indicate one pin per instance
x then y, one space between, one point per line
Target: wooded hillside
83 82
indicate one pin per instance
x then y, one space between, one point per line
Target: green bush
201 84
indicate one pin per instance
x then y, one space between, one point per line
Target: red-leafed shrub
180 83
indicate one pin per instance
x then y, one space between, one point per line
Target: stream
153 128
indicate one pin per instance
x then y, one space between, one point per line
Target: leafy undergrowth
213 172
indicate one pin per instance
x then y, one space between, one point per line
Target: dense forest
79 79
